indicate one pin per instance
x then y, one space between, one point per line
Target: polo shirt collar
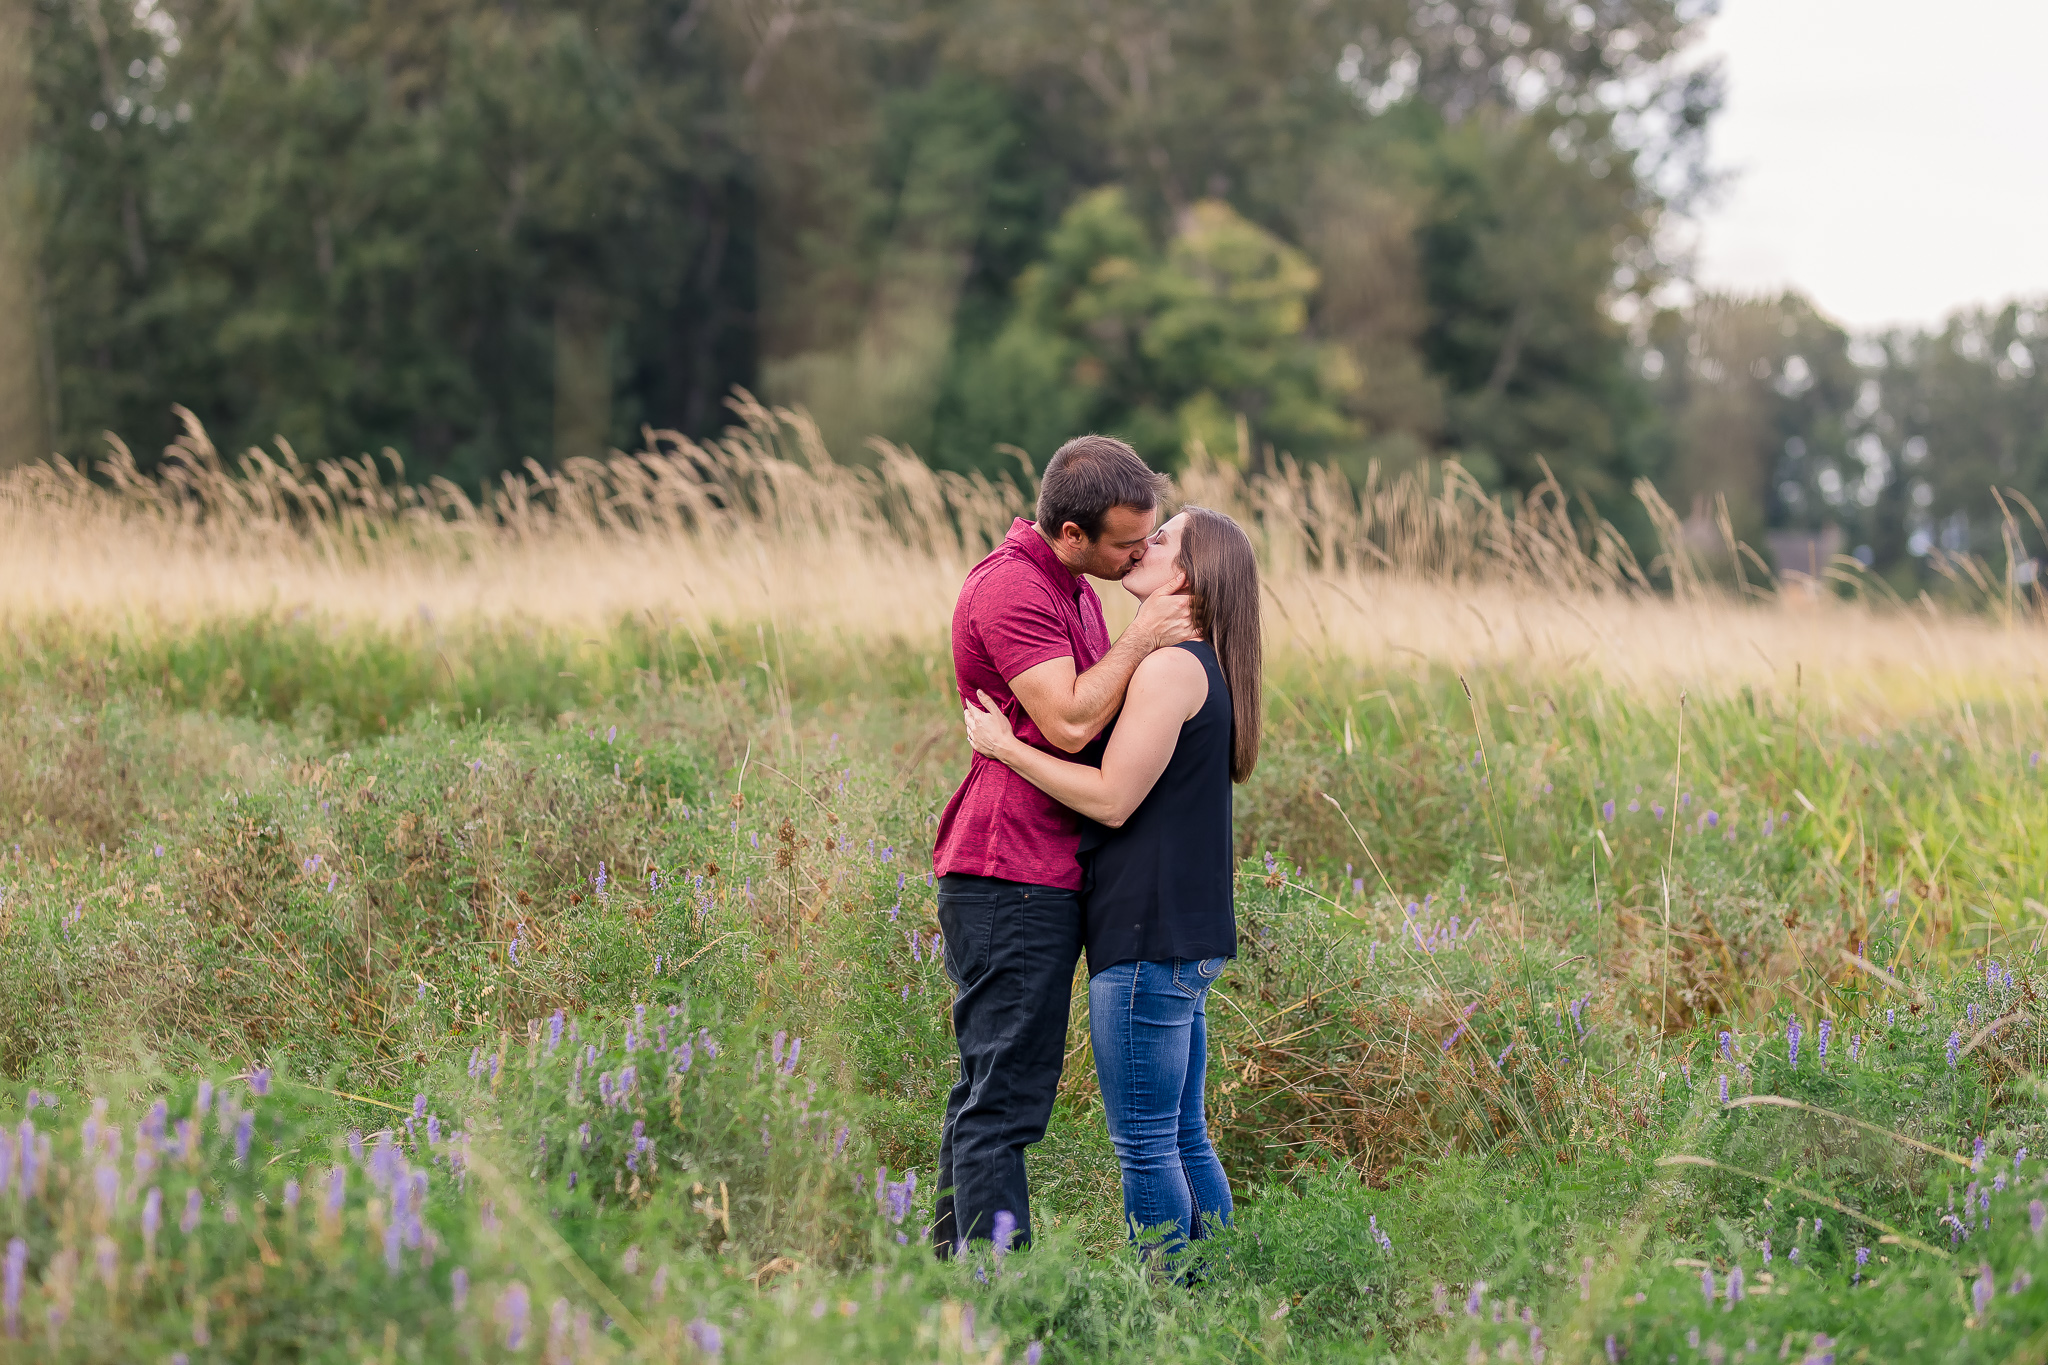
1024 535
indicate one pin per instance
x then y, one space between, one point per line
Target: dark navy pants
1010 950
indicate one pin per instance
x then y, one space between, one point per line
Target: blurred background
1782 260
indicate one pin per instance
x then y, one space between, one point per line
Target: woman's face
1158 566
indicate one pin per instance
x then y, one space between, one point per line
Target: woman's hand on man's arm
1168 687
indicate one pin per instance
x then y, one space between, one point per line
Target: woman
1158 864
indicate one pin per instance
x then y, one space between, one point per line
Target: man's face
1119 549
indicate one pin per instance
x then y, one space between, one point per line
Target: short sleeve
1019 622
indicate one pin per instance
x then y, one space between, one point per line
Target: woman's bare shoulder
1175 673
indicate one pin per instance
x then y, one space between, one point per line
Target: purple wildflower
1855 1046
245 1129
291 1196
337 1188
789 1066
1792 1035
782 1041
203 1099
1707 1284
601 879
107 1183
1955 1046
1734 1287
1983 1289
189 1224
554 1031
1607 810
1379 1235
513 1310
152 1217
2037 1216
1005 1229
458 1288
1862 1260
1474 1299
1033 1353
10 1294
706 1337
1724 1090
1827 1026
1728 1046
1713 818
259 1081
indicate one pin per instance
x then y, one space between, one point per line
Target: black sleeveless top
1160 886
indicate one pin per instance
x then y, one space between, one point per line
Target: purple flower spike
795 1048
1724 1090
513 1310
2037 1216
1707 1284
291 1196
1474 1299
1728 1047
1607 811
1955 1047
781 1041
10 1294
1033 1353
1827 1027
259 1082
705 1337
1983 1289
152 1216
1713 818
245 1128
458 1289
1005 1229
189 1224
1734 1288
1792 1035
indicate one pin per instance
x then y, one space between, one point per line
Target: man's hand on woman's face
988 729
1166 618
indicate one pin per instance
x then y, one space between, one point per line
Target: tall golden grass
764 525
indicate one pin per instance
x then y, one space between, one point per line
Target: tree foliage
1355 231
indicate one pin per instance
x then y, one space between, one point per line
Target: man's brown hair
1089 475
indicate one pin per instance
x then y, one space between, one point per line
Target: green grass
370 862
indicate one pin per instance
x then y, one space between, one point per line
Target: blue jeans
1150 1034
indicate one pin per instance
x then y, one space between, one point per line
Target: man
1029 631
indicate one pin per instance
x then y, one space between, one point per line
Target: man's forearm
1099 693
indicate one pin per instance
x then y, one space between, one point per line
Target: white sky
1889 157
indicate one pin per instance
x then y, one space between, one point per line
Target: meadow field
438 927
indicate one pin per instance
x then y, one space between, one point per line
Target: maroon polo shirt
1018 608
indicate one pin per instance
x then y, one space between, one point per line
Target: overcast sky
1889 157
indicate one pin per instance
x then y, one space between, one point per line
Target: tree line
1350 231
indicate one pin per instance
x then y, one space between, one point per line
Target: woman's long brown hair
1223 580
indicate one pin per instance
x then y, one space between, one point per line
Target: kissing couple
1096 819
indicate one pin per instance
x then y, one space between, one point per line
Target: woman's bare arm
1168 688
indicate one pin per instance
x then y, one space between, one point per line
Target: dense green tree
475 234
